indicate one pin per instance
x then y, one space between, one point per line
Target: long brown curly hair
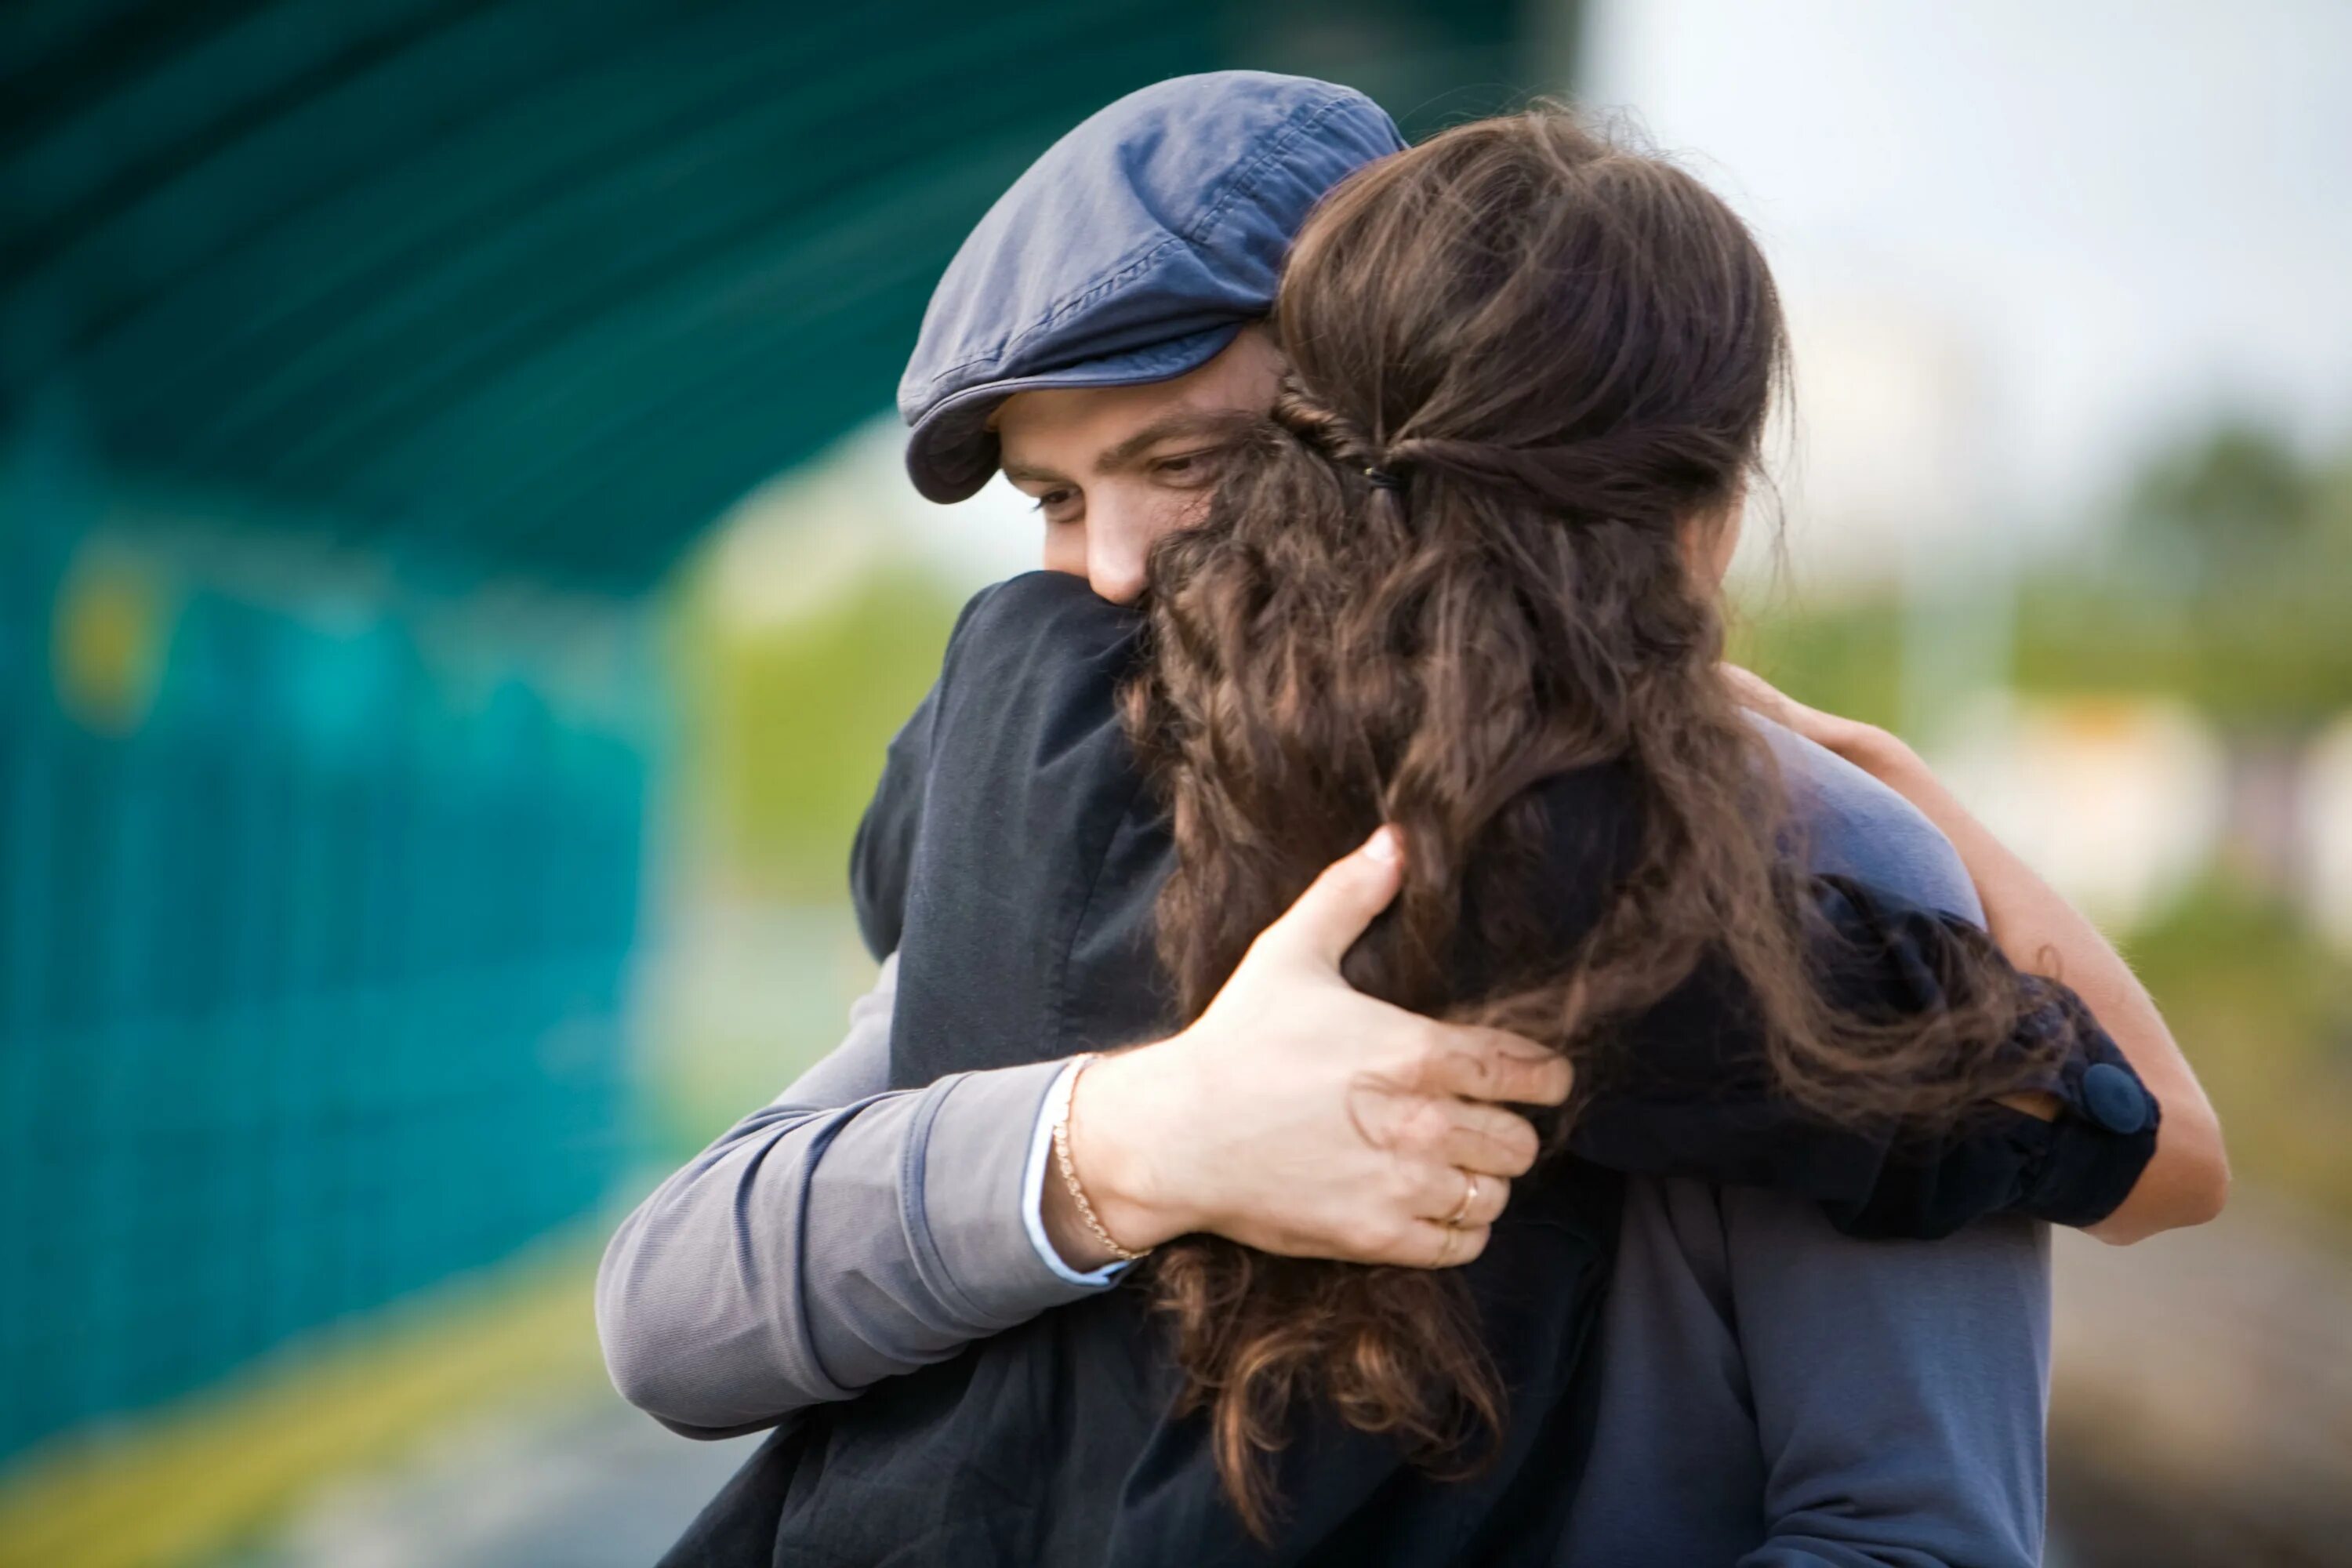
1526 362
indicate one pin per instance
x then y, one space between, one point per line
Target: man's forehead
1067 429
1093 428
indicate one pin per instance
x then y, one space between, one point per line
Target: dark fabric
1053 1443
1014 790
1048 1444
1012 856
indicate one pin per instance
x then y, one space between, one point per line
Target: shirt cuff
2087 1160
1033 1186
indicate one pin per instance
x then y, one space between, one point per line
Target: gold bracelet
1069 1171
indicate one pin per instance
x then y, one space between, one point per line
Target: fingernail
1383 845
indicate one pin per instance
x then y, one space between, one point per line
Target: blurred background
455 584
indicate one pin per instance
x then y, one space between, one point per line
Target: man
1861 1399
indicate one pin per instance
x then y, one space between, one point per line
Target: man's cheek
1065 549
1177 509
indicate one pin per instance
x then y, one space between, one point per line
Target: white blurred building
2325 801
2119 803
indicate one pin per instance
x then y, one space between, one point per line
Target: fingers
1338 905
1445 1131
1440 1129
1487 1140
1431 1245
1488 1064
1408 1227
1448 1188
2034 1102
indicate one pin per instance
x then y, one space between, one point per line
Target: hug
1388 1049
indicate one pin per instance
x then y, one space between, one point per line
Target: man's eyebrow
1031 472
1182 422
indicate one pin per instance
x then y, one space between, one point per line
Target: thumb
1338 904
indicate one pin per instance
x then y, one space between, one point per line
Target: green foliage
2276 656
785 727
1846 660
2238 493
2264 1010
2234 510
2227 585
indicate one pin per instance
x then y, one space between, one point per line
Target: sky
2071 230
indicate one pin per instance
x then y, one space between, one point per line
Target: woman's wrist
1124 1112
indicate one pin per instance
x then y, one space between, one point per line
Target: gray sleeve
1900 1387
844 1234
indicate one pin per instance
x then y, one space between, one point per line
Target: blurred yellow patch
111 630
180 1485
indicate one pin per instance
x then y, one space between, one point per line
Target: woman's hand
1299 1116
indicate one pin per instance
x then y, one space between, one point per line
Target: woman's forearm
2188 1180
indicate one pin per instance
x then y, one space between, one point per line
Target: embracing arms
848 1232
844 1234
2188 1180
1022 736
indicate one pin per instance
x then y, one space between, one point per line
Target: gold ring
1469 1201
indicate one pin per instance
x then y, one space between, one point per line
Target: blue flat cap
1133 250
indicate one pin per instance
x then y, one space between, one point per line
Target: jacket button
2115 1098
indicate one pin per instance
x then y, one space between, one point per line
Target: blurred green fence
315 900
320 833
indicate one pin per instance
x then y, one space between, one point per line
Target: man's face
1114 468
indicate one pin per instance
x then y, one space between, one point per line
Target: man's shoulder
1036 615
1856 827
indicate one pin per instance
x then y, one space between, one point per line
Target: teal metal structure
364 365
316 903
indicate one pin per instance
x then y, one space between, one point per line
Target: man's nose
1115 559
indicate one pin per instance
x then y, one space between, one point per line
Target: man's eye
1187 466
1054 500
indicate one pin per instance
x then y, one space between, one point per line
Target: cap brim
952 452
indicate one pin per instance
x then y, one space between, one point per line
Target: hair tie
1381 480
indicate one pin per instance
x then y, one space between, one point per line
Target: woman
1452 586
